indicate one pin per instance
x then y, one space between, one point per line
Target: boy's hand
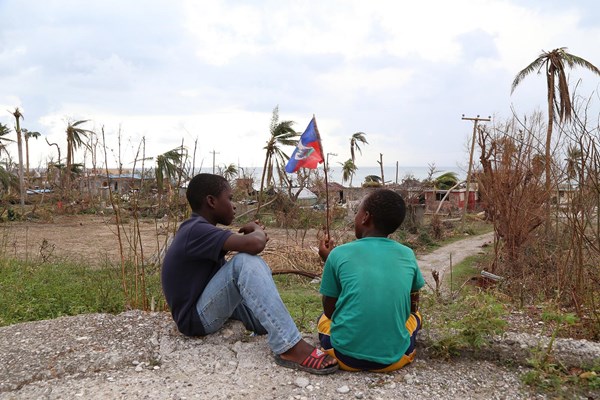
252 241
253 227
325 246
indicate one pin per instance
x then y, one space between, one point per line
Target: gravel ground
138 355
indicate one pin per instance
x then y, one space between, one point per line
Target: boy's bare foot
305 357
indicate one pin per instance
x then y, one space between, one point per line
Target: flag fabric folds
308 152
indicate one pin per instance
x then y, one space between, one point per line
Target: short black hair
387 208
203 185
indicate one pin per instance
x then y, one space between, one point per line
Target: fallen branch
254 209
297 272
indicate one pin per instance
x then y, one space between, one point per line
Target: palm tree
358 137
7 180
348 170
229 172
554 62
18 116
27 135
4 130
281 134
372 181
446 180
75 139
167 165
574 161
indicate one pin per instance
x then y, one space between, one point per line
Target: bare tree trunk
548 156
26 156
262 183
18 116
380 162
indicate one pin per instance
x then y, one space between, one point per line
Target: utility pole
475 122
327 160
213 153
380 162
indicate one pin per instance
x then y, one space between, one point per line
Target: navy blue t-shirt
193 258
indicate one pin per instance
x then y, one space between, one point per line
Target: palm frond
359 137
537 64
446 180
355 139
565 108
348 170
83 121
29 134
278 153
580 62
8 180
4 130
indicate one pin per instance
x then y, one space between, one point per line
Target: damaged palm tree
75 139
555 65
281 134
167 168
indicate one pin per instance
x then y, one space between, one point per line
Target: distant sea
335 173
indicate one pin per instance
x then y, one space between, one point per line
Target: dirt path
439 259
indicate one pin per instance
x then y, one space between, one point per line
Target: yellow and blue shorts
347 363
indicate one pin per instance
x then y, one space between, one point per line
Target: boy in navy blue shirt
204 291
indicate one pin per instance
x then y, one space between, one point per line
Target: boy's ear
366 218
210 201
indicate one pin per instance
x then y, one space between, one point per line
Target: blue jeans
243 289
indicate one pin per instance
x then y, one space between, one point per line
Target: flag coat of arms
308 152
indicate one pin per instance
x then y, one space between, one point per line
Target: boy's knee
245 260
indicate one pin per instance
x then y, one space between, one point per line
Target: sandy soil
80 238
93 239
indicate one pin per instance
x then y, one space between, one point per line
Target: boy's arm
252 241
414 301
328 305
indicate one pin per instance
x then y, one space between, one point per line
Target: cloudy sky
402 72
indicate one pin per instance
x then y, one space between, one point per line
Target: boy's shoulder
196 223
196 219
381 244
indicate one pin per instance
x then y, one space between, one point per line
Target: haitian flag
308 152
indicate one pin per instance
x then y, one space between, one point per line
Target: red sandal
312 363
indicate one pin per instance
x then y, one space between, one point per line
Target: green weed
50 290
465 324
551 376
302 300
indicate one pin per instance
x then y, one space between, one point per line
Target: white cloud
354 79
403 72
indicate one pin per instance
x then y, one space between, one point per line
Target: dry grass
293 258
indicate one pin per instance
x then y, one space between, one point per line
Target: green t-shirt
372 279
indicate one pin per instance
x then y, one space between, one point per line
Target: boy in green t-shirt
370 291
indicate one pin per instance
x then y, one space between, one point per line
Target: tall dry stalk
118 222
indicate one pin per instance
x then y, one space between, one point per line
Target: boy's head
210 195
386 210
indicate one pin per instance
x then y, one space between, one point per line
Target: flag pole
326 182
